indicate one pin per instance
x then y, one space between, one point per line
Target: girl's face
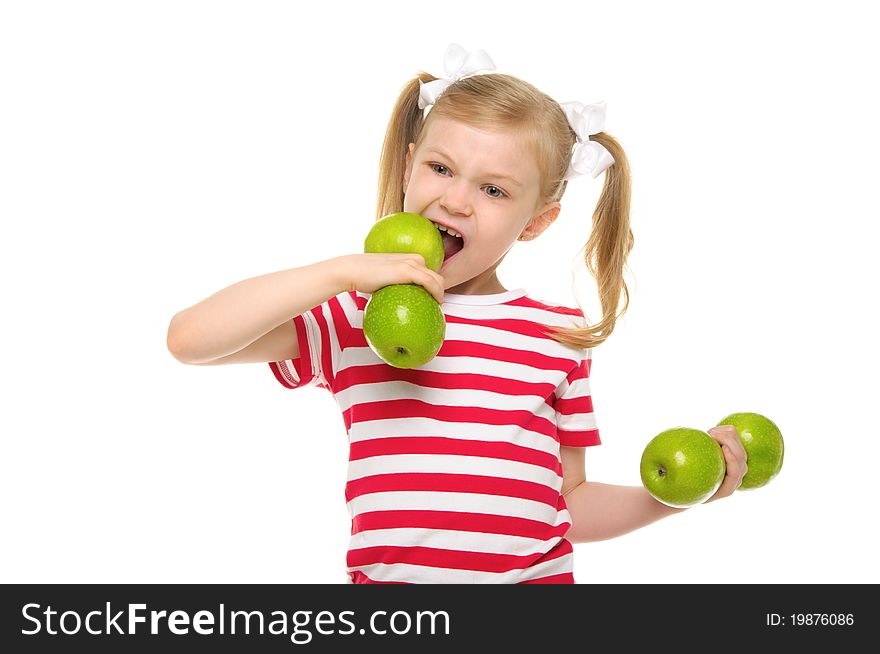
483 185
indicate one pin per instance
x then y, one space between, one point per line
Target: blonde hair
498 101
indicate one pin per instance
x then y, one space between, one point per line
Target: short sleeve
322 334
575 420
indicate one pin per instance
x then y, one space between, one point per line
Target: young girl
469 469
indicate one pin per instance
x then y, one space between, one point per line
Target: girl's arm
245 322
601 511
250 313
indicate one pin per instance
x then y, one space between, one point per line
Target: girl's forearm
236 316
602 511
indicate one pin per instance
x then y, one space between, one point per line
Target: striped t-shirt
454 472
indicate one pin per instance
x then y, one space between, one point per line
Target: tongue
451 245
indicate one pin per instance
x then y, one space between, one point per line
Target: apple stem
401 350
662 471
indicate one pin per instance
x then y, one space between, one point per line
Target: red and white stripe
454 473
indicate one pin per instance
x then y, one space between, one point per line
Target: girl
469 469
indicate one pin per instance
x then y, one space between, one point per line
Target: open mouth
452 242
452 245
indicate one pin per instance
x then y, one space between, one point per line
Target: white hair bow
586 156
459 63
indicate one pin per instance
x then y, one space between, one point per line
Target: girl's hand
368 273
734 456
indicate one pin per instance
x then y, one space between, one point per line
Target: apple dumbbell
682 467
403 323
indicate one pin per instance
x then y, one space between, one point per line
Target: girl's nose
456 198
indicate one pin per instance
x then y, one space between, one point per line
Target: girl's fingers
736 465
729 436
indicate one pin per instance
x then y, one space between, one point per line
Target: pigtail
405 124
607 249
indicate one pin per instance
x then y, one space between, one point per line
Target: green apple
404 325
407 233
764 447
682 467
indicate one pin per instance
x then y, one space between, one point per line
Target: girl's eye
441 169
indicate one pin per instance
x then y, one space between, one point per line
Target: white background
153 153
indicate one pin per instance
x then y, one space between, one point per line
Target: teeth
451 232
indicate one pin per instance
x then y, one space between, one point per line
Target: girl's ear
542 220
